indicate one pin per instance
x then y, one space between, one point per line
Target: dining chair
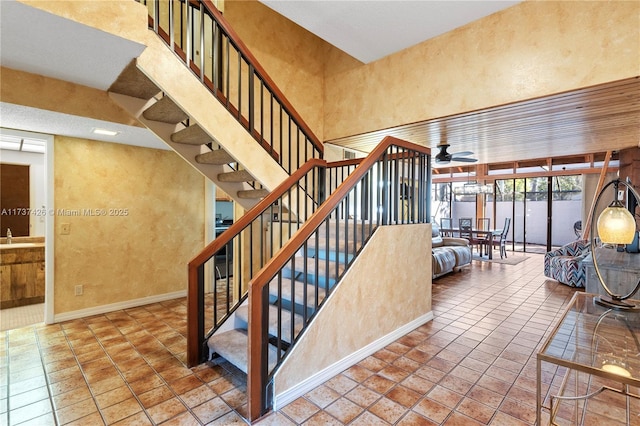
502 241
446 223
482 224
465 225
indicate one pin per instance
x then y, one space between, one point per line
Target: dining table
488 234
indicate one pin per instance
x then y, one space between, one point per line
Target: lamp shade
616 225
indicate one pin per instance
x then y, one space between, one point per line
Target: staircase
305 222
296 293
137 94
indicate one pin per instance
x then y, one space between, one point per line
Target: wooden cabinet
22 275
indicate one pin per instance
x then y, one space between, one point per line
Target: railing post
195 315
258 351
252 100
171 29
189 32
202 43
385 188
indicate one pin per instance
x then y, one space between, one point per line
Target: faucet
9 235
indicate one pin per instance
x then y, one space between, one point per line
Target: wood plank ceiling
584 121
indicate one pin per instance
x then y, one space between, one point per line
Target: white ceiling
62 49
41 43
369 30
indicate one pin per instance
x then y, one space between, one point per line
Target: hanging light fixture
472 188
616 225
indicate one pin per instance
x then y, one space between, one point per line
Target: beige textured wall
139 254
387 287
293 57
526 51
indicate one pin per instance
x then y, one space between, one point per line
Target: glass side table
600 342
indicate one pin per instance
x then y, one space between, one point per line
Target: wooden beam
586 228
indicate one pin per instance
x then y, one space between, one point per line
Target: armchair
565 264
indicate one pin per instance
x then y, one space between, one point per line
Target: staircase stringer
136 106
169 74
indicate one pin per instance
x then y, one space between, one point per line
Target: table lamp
616 225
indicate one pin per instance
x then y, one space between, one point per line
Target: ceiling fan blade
464 159
462 154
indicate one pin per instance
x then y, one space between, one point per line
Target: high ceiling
371 29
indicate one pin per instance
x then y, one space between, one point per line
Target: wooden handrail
222 22
262 278
262 206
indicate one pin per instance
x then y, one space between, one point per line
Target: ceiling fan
444 157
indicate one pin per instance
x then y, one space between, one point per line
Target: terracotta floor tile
457 419
341 384
358 373
477 411
92 419
121 410
144 385
74 396
76 411
418 384
322 418
388 410
432 410
344 410
166 410
235 397
379 384
300 410
445 396
368 419
197 396
362 396
67 385
155 396
403 396
414 419
394 373
373 364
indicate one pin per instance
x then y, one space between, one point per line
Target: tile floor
473 364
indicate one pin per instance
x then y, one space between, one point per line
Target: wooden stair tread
192 135
165 111
252 193
217 157
133 82
236 176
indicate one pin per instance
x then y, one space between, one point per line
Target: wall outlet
65 228
79 290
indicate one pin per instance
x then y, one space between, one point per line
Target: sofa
565 264
448 254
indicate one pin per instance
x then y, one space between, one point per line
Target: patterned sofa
565 263
448 254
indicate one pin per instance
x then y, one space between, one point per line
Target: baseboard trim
103 309
317 379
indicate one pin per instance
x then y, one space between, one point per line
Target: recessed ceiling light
104 132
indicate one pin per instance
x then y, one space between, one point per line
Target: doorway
27 162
